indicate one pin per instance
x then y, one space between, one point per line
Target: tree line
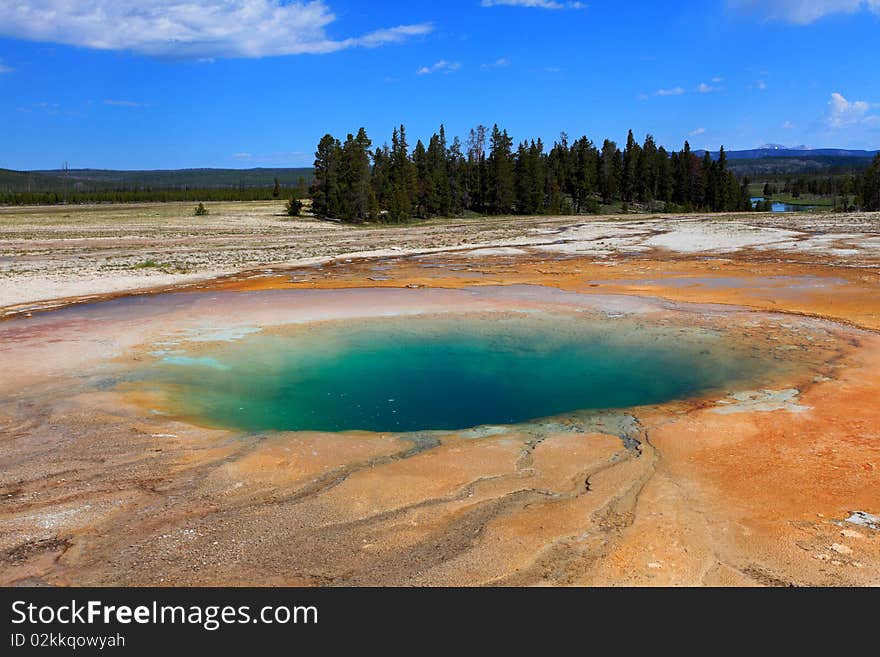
150 195
871 186
488 174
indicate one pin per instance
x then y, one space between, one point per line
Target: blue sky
243 83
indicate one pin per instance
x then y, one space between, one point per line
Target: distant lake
784 207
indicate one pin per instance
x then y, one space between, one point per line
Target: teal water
422 373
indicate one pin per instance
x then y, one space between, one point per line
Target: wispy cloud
760 85
124 103
194 29
802 12
442 65
702 88
5 69
843 113
498 63
537 4
697 132
48 108
788 125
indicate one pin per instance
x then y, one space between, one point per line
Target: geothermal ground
772 481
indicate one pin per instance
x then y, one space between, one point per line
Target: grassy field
756 189
807 199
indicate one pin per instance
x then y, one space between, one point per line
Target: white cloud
675 91
501 62
802 12
189 28
123 103
697 132
48 108
539 4
788 125
442 65
717 80
5 69
707 88
843 113
761 85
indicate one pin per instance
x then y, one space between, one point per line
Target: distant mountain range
776 159
777 150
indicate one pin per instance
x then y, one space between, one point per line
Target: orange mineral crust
845 294
770 482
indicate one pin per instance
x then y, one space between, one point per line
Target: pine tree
744 200
708 173
631 155
609 182
358 202
456 167
402 178
522 183
665 183
556 176
537 177
646 172
871 186
477 182
440 200
381 178
325 187
723 200
585 166
425 197
529 178
563 171
502 193
293 206
689 179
